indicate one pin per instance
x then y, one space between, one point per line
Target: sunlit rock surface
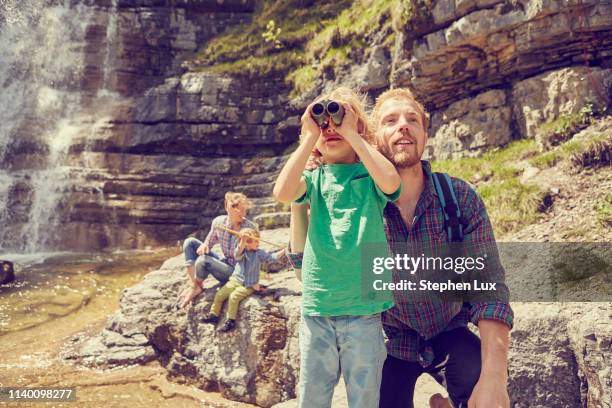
259 361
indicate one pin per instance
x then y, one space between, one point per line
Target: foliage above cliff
510 203
513 202
302 40
277 28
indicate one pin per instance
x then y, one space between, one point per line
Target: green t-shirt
346 212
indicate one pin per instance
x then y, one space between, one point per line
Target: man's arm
491 390
494 317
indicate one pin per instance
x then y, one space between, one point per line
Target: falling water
42 56
110 55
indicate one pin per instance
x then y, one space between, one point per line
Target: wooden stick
259 239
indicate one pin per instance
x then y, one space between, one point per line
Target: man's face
401 132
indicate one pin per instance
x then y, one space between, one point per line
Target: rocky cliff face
143 155
493 71
152 148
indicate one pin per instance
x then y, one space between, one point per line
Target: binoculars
325 110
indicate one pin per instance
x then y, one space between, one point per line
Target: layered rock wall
152 149
492 71
155 147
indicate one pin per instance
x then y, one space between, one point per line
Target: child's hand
349 128
310 128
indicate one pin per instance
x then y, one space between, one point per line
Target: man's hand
257 287
491 391
203 249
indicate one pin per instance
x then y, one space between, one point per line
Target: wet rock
99 352
7 272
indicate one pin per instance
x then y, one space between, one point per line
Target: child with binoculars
340 330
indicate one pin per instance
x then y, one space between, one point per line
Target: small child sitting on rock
244 280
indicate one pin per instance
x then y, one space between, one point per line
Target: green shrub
510 203
561 129
585 152
603 211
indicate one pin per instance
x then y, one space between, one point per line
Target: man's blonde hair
399 93
239 198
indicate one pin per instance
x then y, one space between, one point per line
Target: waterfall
108 81
42 60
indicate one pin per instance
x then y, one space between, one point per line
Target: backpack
453 221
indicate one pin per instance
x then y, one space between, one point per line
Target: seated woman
199 259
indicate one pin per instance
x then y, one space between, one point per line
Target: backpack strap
450 207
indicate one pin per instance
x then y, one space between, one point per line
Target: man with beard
432 337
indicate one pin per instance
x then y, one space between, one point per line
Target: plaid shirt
410 324
249 264
228 241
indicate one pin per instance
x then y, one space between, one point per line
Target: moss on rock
303 40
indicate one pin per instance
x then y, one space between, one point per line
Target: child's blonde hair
237 198
251 232
358 102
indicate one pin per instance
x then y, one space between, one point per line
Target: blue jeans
206 264
351 345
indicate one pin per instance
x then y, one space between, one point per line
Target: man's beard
400 160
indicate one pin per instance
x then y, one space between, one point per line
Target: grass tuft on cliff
593 151
561 129
510 203
278 28
300 39
497 176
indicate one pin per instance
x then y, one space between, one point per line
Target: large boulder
551 95
559 355
471 126
256 363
